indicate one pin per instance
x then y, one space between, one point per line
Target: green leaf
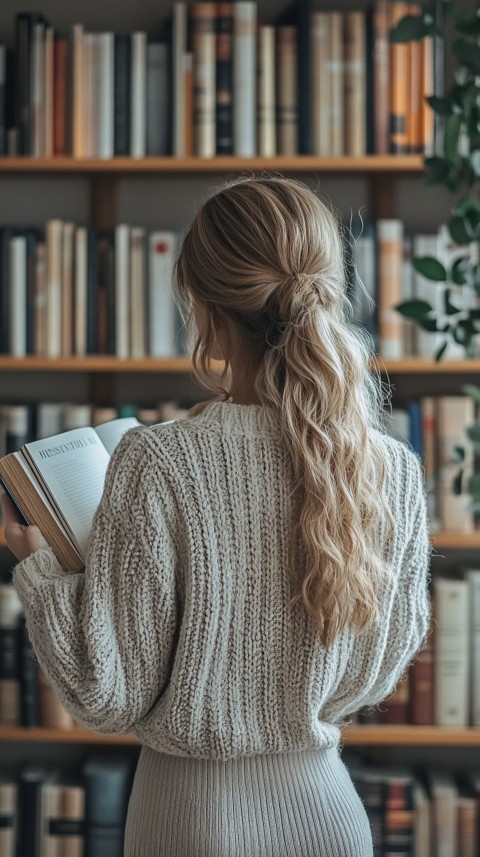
467 52
473 391
460 231
430 268
409 29
473 432
458 454
428 324
449 308
468 23
457 273
440 351
414 308
452 133
439 105
457 483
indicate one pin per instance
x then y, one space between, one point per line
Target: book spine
399 85
10 619
337 73
429 432
397 704
23 117
188 105
29 707
92 292
428 116
369 83
63 810
266 92
78 75
122 268
355 84
8 818
454 415
52 712
49 104
287 91
204 37
106 96
38 91
68 237
137 293
107 788
162 247
158 61
179 47
473 577
122 67
138 127
381 77
421 686
5 236
415 112
81 291
321 83
244 78
409 326
40 304
305 129
60 75
31 247
18 296
3 119
390 252
438 79
224 79
452 642
54 287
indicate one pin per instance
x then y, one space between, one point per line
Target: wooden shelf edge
352 735
221 164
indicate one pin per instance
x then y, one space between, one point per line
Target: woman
256 573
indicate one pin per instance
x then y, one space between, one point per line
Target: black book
122 94
107 784
224 80
29 707
25 22
5 235
31 238
299 15
92 292
30 810
110 290
3 80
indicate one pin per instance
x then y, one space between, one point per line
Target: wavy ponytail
266 254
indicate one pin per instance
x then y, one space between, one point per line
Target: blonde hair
267 254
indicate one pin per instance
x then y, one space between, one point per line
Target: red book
60 66
397 704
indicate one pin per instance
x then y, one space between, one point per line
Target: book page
72 467
112 432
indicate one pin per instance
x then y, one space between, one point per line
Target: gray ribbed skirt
299 804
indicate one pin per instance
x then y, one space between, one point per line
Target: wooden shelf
451 541
229 164
111 364
406 736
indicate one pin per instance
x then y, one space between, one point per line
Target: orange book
397 704
399 86
428 116
390 260
60 49
421 686
52 712
415 111
188 102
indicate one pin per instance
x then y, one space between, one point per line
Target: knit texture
179 628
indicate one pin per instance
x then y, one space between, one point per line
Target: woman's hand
21 540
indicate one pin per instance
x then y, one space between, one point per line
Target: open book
57 483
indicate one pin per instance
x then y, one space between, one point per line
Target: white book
105 96
90 70
40 299
38 90
78 85
138 124
76 416
287 91
337 70
3 71
54 287
122 288
266 92
63 816
49 92
452 652
18 295
204 91
473 577
8 817
49 419
244 78
444 795
179 48
354 107
321 82
422 827
81 291
137 293
68 238
162 254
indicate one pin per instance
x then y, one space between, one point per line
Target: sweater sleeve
105 637
385 656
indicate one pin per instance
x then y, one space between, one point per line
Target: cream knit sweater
178 628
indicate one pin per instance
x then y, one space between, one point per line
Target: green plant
472 486
458 169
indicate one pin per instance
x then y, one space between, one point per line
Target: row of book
442 686
379 257
430 812
73 290
435 427
220 82
20 424
46 814
69 289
